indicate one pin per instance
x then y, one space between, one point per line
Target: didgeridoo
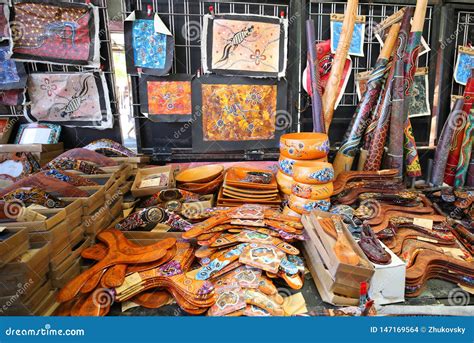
413 167
395 147
362 115
337 70
318 118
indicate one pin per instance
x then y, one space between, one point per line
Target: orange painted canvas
169 97
238 112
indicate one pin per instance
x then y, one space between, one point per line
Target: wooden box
343 274
146 172
58 236
15 245
26 303
73 271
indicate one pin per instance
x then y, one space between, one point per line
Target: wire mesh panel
374 13
184 18
464 37
74 137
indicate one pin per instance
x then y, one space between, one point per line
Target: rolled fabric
444 144
395 146
318 118
362 115
454 152
466 149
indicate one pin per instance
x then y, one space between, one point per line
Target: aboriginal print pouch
55 32
464 64
73 99
245 114
148 43
357 42
12 73
166 99
248 45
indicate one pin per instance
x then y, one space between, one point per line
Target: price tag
153 182
426 223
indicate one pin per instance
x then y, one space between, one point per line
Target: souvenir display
31 195
56 32
237 116
18 165
464 64
201 180
149 44
331 93
12 74
357 43
166 99
84 154
68 163
36 133
248 45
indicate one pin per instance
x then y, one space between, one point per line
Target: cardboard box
344 274
145 172
388 282
15 245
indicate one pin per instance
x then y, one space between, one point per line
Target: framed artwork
13 97
357 42
73 99
166 99
36 133
419 99
247 45
12 73
56 32
242 115
464 64
149 45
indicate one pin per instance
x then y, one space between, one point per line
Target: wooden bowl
203 188
313 173
286 164
201 174
314 192
302 206
304 145
285 182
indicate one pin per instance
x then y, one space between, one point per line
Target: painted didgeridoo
453 157
395 146
318 118
360 120
444 144
466 149
377 144
413 167
331 92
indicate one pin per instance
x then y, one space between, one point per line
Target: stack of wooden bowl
201 180
304 175
249 186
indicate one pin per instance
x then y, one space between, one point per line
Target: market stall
295 158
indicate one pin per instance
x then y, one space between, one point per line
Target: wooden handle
390 42
419 16
332 87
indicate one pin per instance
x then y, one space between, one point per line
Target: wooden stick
413 167
318 118
332 87
361 118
